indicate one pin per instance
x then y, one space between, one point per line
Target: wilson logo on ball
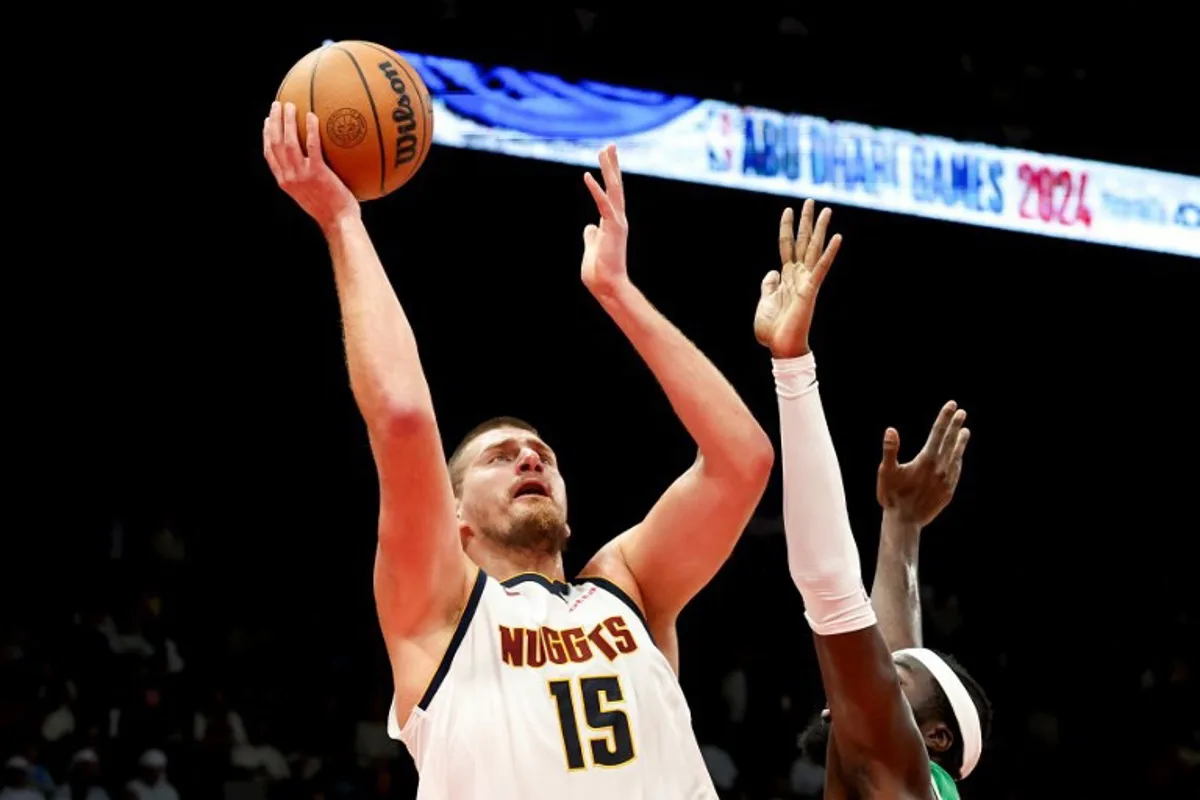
374 110
402 115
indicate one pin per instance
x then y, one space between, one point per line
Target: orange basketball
376 115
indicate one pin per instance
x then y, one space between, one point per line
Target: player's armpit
689 533
874 725
422 575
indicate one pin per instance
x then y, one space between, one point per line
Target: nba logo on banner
723 129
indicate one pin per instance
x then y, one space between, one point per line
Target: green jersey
943 784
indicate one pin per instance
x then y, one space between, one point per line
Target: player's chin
536 506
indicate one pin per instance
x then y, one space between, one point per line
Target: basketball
375 112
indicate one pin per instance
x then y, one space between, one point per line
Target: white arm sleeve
822 555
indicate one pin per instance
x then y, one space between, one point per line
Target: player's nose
530 461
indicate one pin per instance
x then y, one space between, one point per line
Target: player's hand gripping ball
374 113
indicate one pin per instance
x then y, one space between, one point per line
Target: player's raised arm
689 533
912 495
421 573
874 730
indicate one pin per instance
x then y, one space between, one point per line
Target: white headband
960 702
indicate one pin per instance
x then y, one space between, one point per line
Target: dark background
193 379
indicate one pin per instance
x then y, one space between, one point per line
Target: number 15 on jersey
613 746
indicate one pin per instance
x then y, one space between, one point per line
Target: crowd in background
127 681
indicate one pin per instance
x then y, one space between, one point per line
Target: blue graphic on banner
849 161
956 177
1137 209
772 146
530 114
542 105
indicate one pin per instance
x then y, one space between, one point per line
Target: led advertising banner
536 115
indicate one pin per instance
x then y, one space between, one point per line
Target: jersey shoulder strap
944 787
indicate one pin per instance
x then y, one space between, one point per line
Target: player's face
914 683
917 683
513 493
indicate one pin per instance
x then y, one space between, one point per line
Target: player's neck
503 565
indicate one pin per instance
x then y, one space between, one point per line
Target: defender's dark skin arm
896 591
877 742
912 495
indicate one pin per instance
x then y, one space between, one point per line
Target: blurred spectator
83 778
17 783
151 783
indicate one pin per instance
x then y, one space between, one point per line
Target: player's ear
938 736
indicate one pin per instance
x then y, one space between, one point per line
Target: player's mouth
531 488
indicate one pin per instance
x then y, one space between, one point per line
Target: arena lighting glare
531 114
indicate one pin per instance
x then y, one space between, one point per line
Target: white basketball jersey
552 689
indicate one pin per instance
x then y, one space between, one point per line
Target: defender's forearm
896 591
381 351
712 412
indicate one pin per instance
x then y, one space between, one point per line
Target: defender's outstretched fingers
934 443
817 243
956 458
771 282
891 450
806 229
950 438
787 237
827 258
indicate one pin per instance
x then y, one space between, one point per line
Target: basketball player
903 724
509 681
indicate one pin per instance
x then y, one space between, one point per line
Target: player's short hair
455 465
938 707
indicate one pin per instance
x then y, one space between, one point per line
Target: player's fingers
603 205
275 122
891 449
957 453
589 235
806 228
817 243
787 276
787 236
771 282
826 261
290 154
312 140
946 445
275 129
934 442
945 456
269 151
613 181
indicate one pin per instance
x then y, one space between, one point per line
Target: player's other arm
421 575
689 533
874 728
912 495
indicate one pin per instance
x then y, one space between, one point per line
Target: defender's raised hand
785 309
603 268
305 177
921 488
